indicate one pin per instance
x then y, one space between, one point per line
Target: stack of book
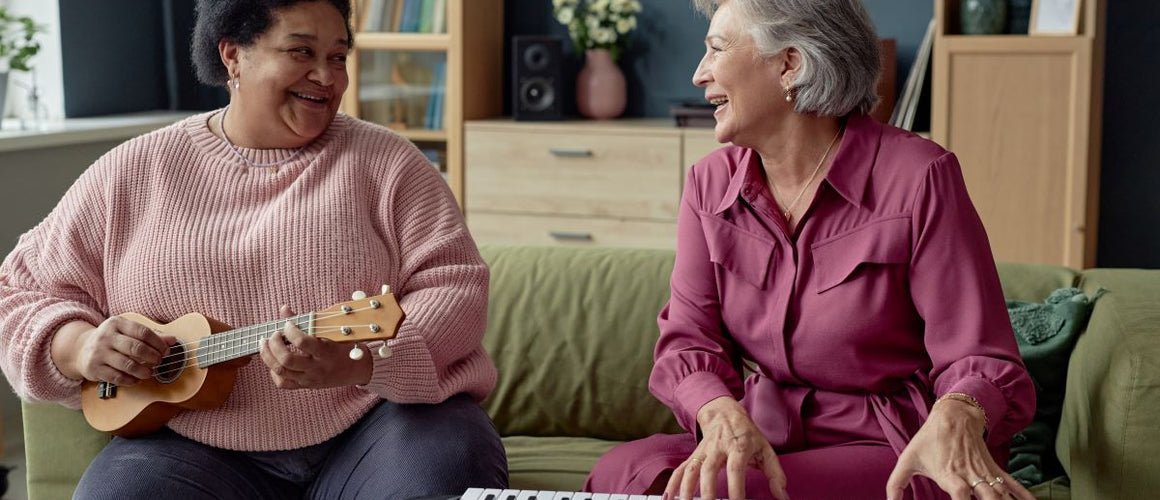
403 16
404 90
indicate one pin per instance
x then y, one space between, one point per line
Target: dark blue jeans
396 451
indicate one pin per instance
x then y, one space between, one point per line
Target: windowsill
84 130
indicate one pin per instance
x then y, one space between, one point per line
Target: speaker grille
536 78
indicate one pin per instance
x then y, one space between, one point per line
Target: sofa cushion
58 446
1107 434
573 330
552 463
1033 282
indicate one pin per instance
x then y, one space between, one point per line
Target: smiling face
743 84
291 78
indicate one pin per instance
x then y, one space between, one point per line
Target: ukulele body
146 406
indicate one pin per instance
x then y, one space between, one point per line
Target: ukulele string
245 339
180 360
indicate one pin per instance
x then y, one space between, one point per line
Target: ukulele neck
245 341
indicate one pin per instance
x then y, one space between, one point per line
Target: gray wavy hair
839 48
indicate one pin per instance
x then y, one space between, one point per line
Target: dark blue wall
130 55
111 56
1129 232
668 44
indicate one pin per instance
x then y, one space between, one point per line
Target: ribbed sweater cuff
46 382
407 375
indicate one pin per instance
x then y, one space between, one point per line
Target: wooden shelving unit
1022 112
471 49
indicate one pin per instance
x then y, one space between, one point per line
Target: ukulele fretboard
242 342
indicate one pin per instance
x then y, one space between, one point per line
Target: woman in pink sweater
273 204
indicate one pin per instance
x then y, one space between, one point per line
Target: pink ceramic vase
600 87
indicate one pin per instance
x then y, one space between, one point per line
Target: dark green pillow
1046 334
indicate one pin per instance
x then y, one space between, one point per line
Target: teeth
310 98
718 101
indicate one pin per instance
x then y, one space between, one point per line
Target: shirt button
748 191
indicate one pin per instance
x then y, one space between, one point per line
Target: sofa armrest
58 446
1109 440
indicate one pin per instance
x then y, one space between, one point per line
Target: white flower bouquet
598 24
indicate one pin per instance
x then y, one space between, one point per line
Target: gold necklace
788 212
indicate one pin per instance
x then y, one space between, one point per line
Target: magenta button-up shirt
886 296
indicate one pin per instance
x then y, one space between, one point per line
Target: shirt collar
848 175
854 160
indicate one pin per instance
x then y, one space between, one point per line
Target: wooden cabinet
1023 115
422 67
604 183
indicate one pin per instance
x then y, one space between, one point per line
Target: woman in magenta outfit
841 262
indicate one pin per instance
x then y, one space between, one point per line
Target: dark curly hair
241 21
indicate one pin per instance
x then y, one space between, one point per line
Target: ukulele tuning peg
356 353
386 289
358 295
384 351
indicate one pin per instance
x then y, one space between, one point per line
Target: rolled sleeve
984 391
693 392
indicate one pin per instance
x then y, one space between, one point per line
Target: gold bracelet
968 399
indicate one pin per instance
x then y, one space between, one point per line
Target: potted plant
600 28
17 46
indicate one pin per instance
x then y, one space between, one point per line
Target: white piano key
600 496
582 496
547 495
650 497
637 497
563 495
512 494
618 496
490 494
472 494
527 495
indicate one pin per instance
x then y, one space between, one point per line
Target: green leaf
17 40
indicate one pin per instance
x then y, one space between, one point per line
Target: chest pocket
740 252
838 259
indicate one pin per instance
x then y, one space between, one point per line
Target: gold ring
993 483
695 459
976 482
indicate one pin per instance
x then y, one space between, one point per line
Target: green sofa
572 332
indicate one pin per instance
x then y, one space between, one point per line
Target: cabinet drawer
511 229
584 173
699 143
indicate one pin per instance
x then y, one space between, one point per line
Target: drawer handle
570 236
571 153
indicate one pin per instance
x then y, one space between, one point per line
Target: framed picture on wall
1055 17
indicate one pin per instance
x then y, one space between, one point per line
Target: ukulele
194 373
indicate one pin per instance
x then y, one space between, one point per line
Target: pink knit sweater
173 222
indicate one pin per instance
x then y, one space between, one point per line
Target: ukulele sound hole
172 364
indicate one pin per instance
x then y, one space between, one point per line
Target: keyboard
493 494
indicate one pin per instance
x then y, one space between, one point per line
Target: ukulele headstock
361 319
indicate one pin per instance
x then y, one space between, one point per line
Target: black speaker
536 90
